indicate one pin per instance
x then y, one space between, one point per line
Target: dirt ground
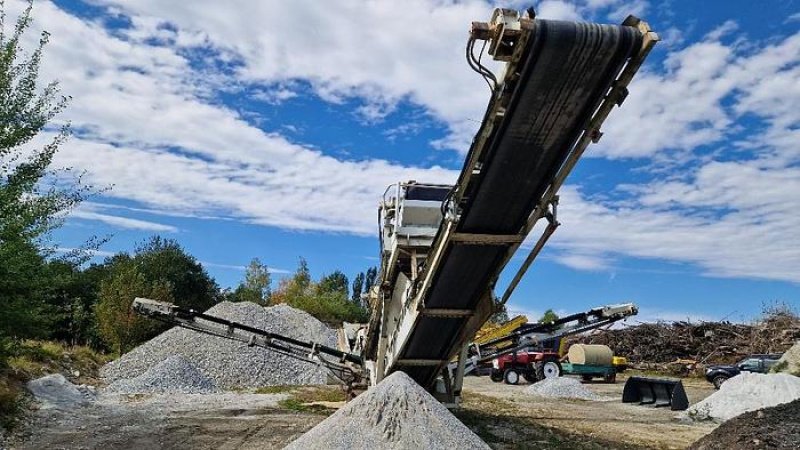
501 414
609 423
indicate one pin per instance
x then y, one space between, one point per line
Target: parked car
717 375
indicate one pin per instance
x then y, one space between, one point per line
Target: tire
610 378
511 376
548 369
496 376
586 378
718 380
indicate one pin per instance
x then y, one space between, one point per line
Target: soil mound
777 428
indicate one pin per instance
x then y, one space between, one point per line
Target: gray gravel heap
55 391
561 387
232 364
173 375
743 393
395 414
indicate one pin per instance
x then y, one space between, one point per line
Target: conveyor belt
564 74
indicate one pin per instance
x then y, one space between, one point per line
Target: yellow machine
492 331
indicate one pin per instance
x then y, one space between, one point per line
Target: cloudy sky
270 129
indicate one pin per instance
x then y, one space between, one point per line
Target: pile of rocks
173 375
395 414
561 387
743 393
55 391
232 364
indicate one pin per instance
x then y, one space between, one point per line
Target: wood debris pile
702 342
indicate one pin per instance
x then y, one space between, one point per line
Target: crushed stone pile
397 413
232 364
775 428
743 393
561 387
55 391
173 375
790 361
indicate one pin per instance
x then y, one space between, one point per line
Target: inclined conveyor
561 80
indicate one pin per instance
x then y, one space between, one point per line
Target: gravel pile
173 375
395 414
231 364
55 391
790 361
561 387
743 393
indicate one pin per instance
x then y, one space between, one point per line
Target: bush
120 327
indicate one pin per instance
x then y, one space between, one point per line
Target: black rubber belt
566 72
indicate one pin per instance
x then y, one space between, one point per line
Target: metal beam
486 239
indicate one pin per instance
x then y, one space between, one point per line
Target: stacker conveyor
442 252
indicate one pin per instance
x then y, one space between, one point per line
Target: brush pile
712 342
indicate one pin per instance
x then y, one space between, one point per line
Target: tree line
48 295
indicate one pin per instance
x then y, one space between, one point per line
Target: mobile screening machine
443 247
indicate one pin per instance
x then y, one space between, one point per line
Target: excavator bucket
655 392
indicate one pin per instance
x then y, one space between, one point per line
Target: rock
55 391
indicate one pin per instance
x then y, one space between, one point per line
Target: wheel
610 378
511 376
586 378
548 369
718 380
496 376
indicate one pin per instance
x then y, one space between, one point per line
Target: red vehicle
533 366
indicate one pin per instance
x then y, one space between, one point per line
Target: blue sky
270 129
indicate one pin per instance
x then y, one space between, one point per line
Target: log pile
702 342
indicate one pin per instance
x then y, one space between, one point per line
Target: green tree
500 316
335 282
33 197
548 316
118 325
369 279
329 303
358 288
256 287
164 260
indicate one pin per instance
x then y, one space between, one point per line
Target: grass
275 389
306 398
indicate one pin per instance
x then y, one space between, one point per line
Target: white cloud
147 124
91 252
122 222
688 105
241 268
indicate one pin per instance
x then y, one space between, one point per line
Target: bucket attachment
655 392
